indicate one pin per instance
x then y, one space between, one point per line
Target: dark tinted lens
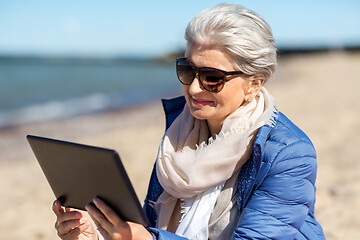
185 72
211 79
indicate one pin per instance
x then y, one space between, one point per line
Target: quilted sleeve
279 206
159 234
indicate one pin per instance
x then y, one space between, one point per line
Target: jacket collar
172 108
254 171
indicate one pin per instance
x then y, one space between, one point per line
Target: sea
34 90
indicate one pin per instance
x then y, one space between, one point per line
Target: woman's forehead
208 56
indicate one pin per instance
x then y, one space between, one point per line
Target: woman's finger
102 230
108 212
74 232
68 216
70 235
67 226
99 218
57 208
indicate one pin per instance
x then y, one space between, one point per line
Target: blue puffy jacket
276 186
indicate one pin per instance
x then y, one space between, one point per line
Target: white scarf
193 167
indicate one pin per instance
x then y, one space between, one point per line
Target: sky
154 28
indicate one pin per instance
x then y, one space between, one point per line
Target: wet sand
316 91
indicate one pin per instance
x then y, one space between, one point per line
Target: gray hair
244 35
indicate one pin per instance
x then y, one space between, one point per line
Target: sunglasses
211 79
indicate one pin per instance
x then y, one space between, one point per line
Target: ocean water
44 90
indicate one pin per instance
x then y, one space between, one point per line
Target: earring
249 99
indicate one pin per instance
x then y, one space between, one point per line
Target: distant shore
166 58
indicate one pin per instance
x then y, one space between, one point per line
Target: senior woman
230 165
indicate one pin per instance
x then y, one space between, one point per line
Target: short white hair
242 33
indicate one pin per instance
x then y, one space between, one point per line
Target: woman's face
214 107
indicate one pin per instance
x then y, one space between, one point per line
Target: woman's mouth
201 102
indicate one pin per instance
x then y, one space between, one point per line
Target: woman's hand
72 224
112 227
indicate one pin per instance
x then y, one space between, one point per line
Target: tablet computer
77 173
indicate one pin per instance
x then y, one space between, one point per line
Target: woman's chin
200 114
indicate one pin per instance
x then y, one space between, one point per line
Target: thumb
57 208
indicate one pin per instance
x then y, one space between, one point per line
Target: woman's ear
254 86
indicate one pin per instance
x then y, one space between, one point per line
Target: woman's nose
195 86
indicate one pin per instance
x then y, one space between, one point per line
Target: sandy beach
316 91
